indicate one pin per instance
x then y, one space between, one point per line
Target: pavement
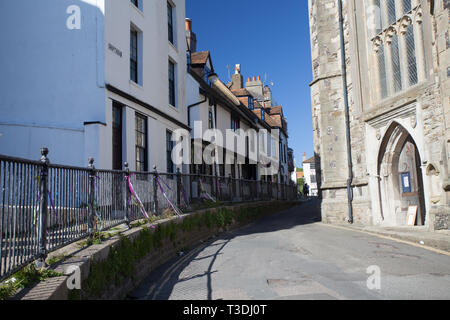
438 240
293 256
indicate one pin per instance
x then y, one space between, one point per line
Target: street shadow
161 283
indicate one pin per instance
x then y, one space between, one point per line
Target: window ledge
174 108
136 85
173 46
137 9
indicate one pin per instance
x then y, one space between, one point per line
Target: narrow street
293 256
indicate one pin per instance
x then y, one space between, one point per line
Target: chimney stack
190 36
237 81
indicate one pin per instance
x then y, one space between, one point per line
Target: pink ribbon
205 194
137 200
174 207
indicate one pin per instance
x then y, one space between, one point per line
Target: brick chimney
190 36
237 81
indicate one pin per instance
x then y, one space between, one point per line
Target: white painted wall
156 52
52 79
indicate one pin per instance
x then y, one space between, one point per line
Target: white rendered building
93 78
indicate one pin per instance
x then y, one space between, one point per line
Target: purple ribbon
137 200
53 206
165 183
177 211
205 194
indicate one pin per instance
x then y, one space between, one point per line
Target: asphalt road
291 255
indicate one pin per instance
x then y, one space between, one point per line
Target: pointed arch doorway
401 181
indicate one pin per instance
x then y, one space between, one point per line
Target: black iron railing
45 207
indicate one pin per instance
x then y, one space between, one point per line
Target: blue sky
265 37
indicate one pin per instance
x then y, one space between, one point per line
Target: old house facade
381 114
108 82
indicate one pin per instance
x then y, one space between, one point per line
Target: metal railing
45 207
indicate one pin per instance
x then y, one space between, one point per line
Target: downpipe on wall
347 115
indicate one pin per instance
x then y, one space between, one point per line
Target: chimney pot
254 78
238 69
259 78
249 79
188 24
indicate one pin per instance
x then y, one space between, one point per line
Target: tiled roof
257 112
277 119
276 110
241 92
199 57
244 101
310 160
271 121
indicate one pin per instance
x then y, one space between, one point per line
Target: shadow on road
161 283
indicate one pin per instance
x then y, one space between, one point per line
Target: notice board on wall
411 216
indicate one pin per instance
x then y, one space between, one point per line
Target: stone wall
422 109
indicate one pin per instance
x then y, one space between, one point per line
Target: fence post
241 189
178 187
199 191
257 188
230 183
127 195
91 197
155 191
43 203
270 188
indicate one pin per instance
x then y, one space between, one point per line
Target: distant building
258 98
309 171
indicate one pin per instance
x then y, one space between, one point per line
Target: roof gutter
223 88
347 115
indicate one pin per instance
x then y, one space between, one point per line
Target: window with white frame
172 84
136 3
141 143
395 27
135 55
170 23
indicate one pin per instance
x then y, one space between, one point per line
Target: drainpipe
347 115
194 105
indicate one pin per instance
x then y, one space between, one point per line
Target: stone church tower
381 113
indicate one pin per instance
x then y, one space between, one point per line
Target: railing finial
44 154
91 163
